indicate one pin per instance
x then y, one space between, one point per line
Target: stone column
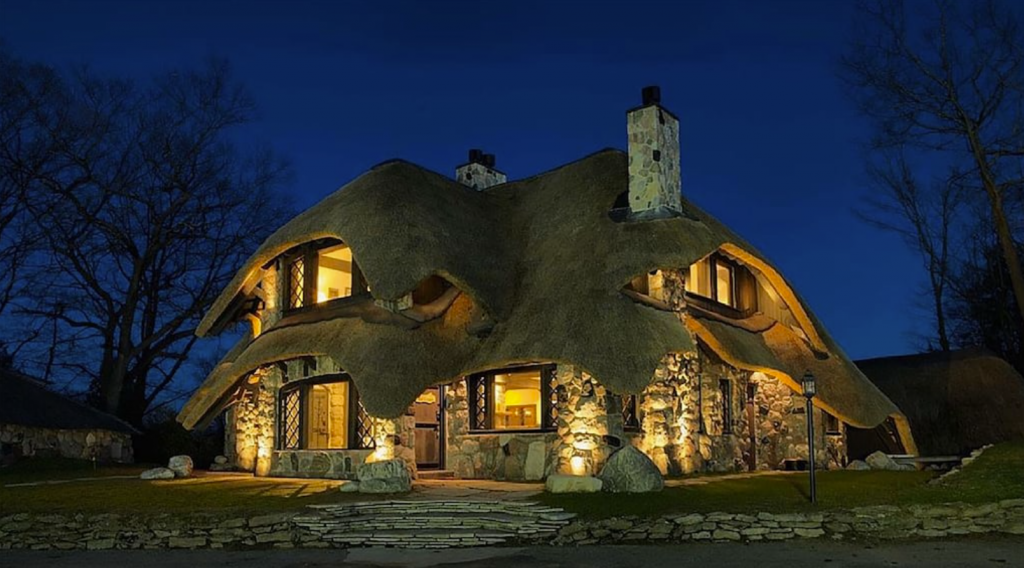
254 422
589 418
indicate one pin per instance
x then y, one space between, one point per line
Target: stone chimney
479 172
654 184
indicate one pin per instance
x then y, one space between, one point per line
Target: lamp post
809 391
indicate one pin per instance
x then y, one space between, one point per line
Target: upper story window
715 278
319 273
521 398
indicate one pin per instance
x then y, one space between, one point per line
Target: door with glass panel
428 410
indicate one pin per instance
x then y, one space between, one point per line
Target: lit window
323 415
334 273
714 278
724 283
630 418
296 283
514 399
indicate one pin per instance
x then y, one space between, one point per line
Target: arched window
321 272
323 413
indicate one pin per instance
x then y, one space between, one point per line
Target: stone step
435 474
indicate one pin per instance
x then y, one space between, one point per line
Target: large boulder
180 465
389 476
630 471
879 460
858 465
157 473
572 484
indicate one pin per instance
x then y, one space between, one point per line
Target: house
955 402
515 329
35 421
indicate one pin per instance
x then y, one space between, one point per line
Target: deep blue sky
770 143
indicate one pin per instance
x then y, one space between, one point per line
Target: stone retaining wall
103 445
95 532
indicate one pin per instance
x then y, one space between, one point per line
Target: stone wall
250 438
589 423
683 427
101 445
288 530
512 456
654 180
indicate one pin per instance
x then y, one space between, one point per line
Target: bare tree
148 209
949 82
924 218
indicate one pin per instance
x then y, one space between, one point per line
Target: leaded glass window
630 418
291 419
296 283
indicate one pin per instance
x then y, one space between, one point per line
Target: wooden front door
319 434
429 412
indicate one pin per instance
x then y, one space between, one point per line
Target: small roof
545 260
956 402
27 402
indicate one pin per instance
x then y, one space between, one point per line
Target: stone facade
479 176
250 436
101 445
511 456
654 182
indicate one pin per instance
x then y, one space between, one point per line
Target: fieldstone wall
654 180
101 445
683 420
512 456
589 423
428 525
249 426
479 176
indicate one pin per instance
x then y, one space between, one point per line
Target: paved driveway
970 553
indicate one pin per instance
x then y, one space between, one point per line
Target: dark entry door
428 410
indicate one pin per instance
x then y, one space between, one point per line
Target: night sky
771 144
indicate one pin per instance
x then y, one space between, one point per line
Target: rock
220 460
349 487
572 484
157 473
221 467
180 465
858 465
534 468
879 460
630 471
389 476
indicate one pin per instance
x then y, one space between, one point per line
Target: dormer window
322 272
713 278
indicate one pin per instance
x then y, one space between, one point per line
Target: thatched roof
956 402
541 256
27 402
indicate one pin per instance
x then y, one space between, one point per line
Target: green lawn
997 474
218 494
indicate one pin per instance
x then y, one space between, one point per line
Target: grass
227 495
997 474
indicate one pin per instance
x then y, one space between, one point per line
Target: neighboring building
35 421
512 329
956 402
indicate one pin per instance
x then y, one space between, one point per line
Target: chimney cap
476 156
488 160
651 95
